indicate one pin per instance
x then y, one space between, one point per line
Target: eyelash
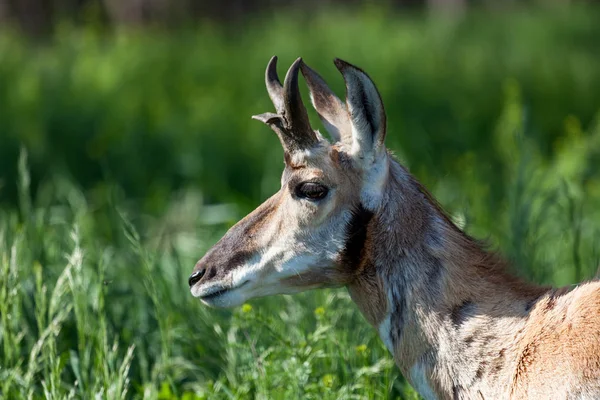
311 191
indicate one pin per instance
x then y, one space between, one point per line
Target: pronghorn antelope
348 214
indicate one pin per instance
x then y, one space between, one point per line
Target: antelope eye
311 191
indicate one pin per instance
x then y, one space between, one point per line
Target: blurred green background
127 149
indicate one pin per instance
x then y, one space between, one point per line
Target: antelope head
310 233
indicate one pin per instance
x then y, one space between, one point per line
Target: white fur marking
374 181
419 381
385 329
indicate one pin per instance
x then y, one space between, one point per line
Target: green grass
117 320
124 156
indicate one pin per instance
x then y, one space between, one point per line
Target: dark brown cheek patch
356 236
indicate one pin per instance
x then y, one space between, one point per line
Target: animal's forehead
321 157
325 165
314 157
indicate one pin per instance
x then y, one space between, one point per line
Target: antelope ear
331 109
367 115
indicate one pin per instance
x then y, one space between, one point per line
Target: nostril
196 276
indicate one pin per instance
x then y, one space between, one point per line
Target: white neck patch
418 378
374 182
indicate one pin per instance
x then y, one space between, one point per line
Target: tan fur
367 290
563 335
459 324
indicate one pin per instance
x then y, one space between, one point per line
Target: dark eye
311 191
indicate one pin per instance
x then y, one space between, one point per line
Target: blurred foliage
155 112
37 18
106 135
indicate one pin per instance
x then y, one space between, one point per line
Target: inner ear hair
331 110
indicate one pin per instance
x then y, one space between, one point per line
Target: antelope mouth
219 291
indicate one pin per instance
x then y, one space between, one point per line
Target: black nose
196 276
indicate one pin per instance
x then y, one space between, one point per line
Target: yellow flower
328 380
362 348
319 311
246 308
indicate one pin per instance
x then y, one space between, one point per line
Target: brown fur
367 291
503 350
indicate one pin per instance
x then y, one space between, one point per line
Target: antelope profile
458 324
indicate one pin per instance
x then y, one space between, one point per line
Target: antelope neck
445 308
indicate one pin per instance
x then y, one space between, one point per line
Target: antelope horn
291 122
273 84
294 111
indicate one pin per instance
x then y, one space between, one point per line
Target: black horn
291 121
274 87
295 112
